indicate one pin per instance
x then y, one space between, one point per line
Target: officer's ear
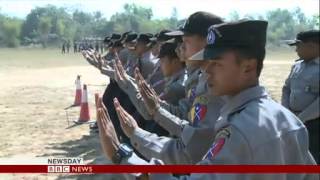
249 65
314 46
248 61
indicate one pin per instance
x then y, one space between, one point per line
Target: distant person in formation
74 47
68 46
63 48
101 48
80 46
97 46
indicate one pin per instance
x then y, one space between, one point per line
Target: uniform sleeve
285 99
187 149
311 112
181 110
132 91
108 72
134 160
169 150
173 124
174 93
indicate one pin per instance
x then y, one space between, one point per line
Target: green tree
44 30
281 26
234 16
10 32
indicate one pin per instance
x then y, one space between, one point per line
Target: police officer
174 73
145 61
125 53
252 128
108 43
68 46
129 43
63 51
156 78
159 39
75 46
301 89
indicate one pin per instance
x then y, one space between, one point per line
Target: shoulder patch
198 112
218 143
199 109
191 94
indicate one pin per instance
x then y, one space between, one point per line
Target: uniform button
135 144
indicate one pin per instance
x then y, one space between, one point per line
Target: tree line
51 25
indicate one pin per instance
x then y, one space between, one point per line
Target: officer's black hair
172 55
314 40
252 53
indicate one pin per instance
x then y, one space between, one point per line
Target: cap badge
211 38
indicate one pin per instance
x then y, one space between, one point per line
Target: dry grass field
36 86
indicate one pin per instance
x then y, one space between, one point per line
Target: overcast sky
163 8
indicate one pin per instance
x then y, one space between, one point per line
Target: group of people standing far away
82 45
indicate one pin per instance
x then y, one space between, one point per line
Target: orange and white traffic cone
96 98
94 126
84 110
77 99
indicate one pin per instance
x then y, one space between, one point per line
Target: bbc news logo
67 165
70 169
58 169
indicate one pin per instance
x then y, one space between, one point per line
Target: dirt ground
36 86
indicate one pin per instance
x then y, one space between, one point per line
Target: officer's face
180 51
140 48
225 75
130 46
168 66
156 48
193 44
307 50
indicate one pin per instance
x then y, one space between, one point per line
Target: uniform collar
147 55
317 60
193 76
176 76
191 70
234 103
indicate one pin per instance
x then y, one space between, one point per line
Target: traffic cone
96 97
77 99
94 126
84 110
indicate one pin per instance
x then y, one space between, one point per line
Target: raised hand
127 122
121 75
108 137
148 94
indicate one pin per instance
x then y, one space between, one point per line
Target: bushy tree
50 25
